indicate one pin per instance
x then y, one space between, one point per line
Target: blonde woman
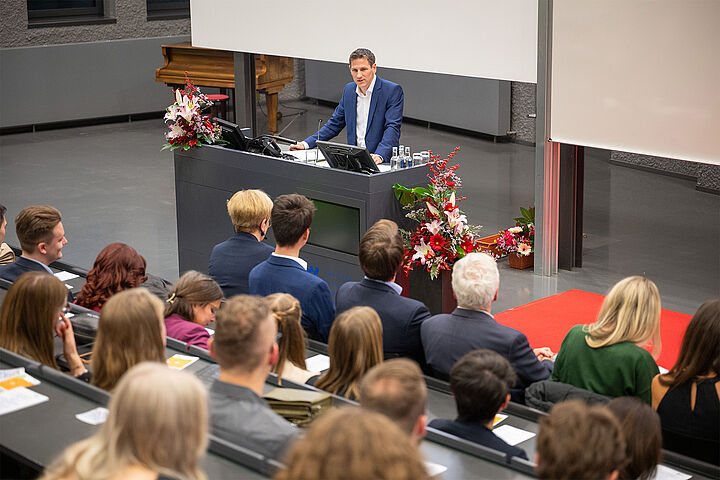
130 331
191 307
607 357
354 347
291 359
156 428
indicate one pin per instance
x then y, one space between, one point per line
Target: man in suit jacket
41 234
371 108
284 271
245 349
381 254
447 337
232 260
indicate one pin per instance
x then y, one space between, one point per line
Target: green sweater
623 369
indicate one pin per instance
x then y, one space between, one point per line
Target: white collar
299 260
397 288
369 90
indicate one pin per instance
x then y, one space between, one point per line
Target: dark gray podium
347 204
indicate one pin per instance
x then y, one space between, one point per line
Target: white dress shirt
363 111
299 260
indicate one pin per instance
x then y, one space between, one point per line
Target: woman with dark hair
191 307
117 267
291 359
687 398
640 426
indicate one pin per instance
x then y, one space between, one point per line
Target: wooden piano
216 68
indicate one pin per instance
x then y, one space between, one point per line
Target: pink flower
422 252
524 249
434 226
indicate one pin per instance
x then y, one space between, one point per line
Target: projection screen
638 76
476 38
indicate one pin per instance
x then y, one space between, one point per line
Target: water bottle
401 157
394 160
408 158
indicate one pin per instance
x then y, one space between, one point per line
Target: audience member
471 326
291 359
6 253
156 428
687 398
41 234
130 331
577 441
232 260
480 382
286 272
191 307
640 426
355 346
381 254
604 357
34 308
245 349
351 444
396 388
117 267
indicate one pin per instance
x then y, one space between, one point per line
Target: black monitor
232 134
348 157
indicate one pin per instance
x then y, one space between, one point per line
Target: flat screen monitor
336 227
348 157
232 134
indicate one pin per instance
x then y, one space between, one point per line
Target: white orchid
422 251
515 230
434 227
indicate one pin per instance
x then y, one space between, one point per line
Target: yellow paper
15 382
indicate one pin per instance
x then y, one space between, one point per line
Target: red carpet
546 321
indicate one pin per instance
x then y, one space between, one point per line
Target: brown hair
129 332
352 444
117 267
287 313
28 316
396 388
354 347
192 288
566 435
643 437
700 349
381 250
248 209
238 342
363 53
291 216
3 209
480 382
35 224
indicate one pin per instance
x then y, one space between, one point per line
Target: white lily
452 199
432 209
422 251
434 226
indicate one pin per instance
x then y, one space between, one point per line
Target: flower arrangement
519 239
443 235
188 127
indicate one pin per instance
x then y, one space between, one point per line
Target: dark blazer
232 260
384 118
12 271
401 317
278 274
478 433
447 337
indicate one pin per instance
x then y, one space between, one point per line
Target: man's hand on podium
297 146
378 159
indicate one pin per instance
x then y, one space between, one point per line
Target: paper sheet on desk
16 377
512 435
434 469
666 473
64 276
18 399
96 416
304 155
178 362
317 363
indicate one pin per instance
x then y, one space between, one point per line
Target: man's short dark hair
238 343
363 53
35 224
480 382
396 388
381 250
291 215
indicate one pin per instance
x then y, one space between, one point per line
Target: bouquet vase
436 294
521 261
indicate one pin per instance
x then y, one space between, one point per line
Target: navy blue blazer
12 271
401 317
447 337
232 260
477 433
278 274
384 118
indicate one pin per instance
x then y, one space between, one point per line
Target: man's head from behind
577 441
475 281
40 231
250 210
362 67
481 381
381 251
245 335
3 222
291 218
396 388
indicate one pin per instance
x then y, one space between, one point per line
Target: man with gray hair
447 337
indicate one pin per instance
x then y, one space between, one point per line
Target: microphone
316 140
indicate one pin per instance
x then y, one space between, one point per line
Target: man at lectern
371 108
